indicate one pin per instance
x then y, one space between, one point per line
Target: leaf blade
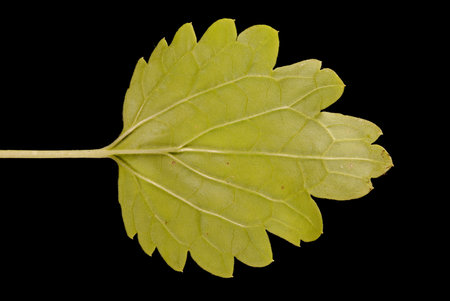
235 148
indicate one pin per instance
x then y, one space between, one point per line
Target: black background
66 70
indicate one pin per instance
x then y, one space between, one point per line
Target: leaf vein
260 153
260 194
173 194
156 216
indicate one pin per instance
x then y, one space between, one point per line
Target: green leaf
218 148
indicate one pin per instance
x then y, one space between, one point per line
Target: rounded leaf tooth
333 87
297 81
155 70
328 88
298 218
383 160
264 41
156 54
282 230
252 246
134 97
218 36
308 219
183 42
137 74
340 187
349 127
173 252
143 219
211 259
303 69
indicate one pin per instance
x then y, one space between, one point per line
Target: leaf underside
223 147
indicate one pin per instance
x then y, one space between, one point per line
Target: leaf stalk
91 153
49 154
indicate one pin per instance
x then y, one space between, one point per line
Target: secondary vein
181 101
171 193
239 187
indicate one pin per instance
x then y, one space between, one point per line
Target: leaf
218 148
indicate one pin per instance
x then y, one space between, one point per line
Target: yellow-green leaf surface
219 147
